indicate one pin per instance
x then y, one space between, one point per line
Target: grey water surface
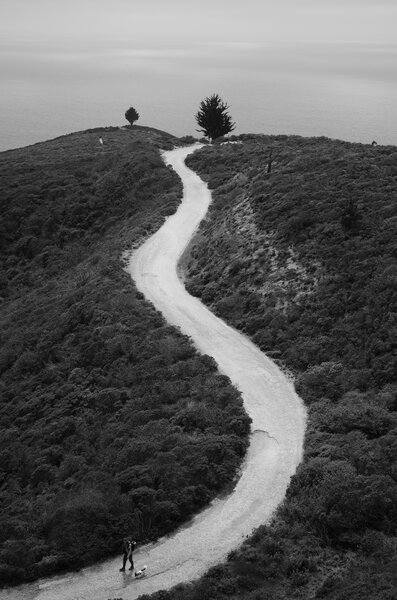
340 90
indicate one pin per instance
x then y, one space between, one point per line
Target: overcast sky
175 22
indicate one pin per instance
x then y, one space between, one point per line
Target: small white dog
141 572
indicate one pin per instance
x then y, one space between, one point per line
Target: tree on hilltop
131 115
213 117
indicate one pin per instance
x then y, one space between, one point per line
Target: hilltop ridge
302 258
112 424
299 256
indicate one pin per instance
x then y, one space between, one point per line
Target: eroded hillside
299 252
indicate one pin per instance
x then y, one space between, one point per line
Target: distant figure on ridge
129 547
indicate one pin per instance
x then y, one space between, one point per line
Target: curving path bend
278 425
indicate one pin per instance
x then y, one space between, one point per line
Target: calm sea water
345 91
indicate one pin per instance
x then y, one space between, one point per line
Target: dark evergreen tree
131 115
213 117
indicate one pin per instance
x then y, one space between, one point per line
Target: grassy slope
111 423
302 259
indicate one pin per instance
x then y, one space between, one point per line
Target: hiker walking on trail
129 547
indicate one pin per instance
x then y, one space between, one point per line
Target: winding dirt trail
277 414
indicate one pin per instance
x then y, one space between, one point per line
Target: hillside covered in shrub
299 252
111 423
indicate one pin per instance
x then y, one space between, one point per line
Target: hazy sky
156 22
313 67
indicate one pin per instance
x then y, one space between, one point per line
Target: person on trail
129 547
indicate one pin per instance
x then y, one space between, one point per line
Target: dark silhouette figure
129 547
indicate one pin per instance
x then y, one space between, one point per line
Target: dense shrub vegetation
302 257
111 423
